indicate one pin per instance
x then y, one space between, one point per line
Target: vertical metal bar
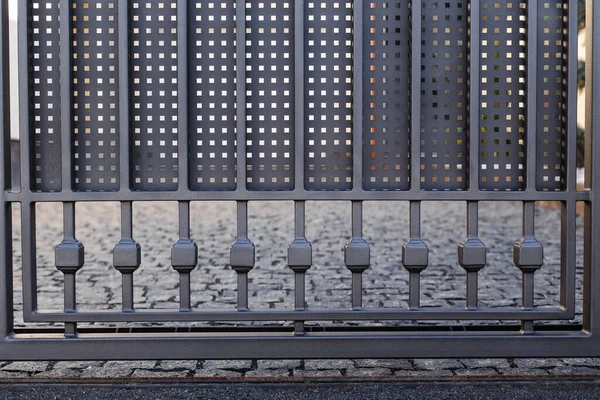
184 219
242 283
65 94
299 95
28 251
184 276
6 247
124 156
414 278
300 262
70 304
240 59
242 232
357 255
572 57
528 287
568 251
126 219
528 275
569 208
24 104
182 96
531 82
127 285
357 274
474 95
415 98
472 271
70 293
127 277
300 290
357 180
591 280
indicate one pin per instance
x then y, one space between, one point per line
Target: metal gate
300 100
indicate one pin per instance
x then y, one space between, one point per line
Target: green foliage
581 84
581 14
580 146
580 74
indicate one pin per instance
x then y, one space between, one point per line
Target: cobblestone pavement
271 282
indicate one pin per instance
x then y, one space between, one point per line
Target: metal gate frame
72 343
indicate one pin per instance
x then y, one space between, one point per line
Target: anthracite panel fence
300 100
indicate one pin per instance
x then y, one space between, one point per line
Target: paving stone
115 372
521 372
26 366
13 374
477 372
144 364
368 372
582 362
227 364
314 365
440 373
561 371
317 374
268 373
144 373
217 373
58 373
382 363
278 364
179 364
485 362
77 364
437 364
538 362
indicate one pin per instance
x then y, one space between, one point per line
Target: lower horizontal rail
304 315
109 347
324 195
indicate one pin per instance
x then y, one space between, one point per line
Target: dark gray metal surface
96 137
45 91
154 96
270 95
264 100
444 91
386 98
211 108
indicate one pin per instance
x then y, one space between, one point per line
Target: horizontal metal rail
224 346
476 195
445 313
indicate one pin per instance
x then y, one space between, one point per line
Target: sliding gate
299 100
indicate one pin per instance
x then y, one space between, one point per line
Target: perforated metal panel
95 94
270 94
154 94
212 80
444 90
503 60
45 91
328 96
386 95
551 74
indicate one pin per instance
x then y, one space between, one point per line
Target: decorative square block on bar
127 255
69 255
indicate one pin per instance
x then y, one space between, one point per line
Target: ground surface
309 391
271 285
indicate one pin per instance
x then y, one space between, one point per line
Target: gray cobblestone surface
271 282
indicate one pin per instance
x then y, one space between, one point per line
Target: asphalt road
378 391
